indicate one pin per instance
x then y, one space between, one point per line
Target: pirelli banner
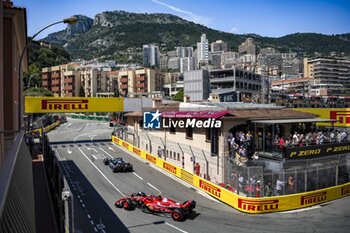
73 104
242 203
316 151
340 115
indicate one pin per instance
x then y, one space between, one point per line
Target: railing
16 187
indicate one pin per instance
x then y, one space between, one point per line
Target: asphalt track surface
96 188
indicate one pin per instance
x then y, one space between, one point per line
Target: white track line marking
88 216
107 153
94 156
137 176
170 225
204 194
92 222
121 193
95 229
154 187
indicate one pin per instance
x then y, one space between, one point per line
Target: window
171 154
167 153
178 156
207 135
189 133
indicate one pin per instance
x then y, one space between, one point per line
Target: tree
179 96
81 92
38 92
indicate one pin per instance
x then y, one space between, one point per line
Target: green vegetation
179 96
120 35
38 92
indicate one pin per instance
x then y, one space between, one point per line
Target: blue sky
272 18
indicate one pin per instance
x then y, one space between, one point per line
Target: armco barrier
241 203
47 128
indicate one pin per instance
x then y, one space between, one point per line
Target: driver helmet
141 194
159 197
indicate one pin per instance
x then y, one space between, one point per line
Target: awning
286 121
191 114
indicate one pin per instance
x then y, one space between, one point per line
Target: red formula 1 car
157 205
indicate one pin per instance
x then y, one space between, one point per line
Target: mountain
116 34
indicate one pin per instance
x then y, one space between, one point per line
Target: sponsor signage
258 205
206 186
340 116
317 150
345 191
169 167
153 120
314 198
126 145
116 140
73 104
136 151
151 158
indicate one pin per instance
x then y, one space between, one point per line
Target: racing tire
144 208
106 161
127 204
178 214
116 169
119 205
129 168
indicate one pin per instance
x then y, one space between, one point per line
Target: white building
151 55
187 64
203 49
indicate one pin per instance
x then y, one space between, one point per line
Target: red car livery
157 205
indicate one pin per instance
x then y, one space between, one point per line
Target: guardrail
47 128
84 117
241 203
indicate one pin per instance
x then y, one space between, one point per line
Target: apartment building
218 46
139 82
172 83
329 71
292 86
247 47
94 79
61 80
196 84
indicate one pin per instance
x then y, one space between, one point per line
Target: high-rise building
215 59
218 46
184 51
174 63
203 50
187 64
94 79
329 70
151 55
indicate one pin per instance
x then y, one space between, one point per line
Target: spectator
240 183
279 187
343 136
268 190
160 152
290 185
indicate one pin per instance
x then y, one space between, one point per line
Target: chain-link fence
270 178
189 157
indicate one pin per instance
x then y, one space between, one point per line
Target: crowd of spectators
310 138
240 143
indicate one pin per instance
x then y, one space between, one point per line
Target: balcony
55 89
68 88
68 80
45 83
140 85
124 80
55 82
55 75
140 78
124 86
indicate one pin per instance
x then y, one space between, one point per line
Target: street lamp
70 20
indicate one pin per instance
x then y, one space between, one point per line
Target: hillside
117 33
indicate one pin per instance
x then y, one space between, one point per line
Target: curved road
95 189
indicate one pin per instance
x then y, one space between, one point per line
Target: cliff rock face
83 25
114 33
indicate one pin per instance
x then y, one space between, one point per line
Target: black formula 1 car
118 165
157 205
